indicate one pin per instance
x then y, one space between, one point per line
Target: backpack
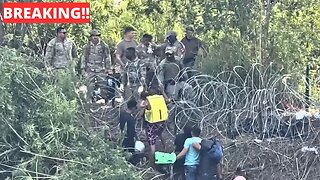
216 151
158 111
88 49
132 69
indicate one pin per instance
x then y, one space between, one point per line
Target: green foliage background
44 133
42 126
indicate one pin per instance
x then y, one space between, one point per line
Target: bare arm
118 58
74 50
196 145
161 75
219 171
182 153
119 52
164 93
107 59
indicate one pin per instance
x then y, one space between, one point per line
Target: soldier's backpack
132 69
158 111
88 49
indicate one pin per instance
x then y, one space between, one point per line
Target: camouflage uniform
146 54
96 57
134 76
60 55
96 60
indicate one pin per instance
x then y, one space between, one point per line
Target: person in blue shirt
191 154
178 167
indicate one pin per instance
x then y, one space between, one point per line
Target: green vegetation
43 129
44 133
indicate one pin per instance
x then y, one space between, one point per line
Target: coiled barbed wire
239 101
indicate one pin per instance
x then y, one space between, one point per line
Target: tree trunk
2 25
20 32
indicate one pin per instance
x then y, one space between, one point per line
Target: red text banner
46 12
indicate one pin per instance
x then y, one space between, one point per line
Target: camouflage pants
95 81
178 90
131 91
172 89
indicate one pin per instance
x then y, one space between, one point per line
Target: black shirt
179 141
192 47
207 166
126 118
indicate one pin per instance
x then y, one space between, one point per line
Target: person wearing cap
96 54
96 61
192 46
170 73
173 43
61 52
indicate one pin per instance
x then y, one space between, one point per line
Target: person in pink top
239 178
239 174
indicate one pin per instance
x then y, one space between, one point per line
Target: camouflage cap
171 33
95 32
190 28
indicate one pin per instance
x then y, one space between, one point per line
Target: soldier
192 46
177 47
96 61
61 52
170 73
127 42
145 50
133 74
96 55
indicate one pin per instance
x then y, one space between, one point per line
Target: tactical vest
158 111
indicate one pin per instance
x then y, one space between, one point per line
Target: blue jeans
206 177
191 172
